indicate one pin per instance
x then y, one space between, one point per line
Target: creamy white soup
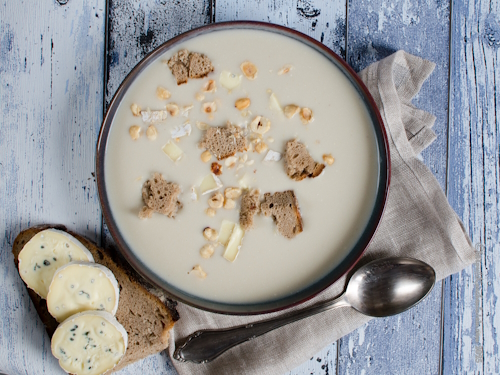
335 206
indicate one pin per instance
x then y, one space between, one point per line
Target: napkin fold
418 222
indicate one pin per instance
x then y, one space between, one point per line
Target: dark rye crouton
284 209
186 65
223 142
250 206
160 196
298 163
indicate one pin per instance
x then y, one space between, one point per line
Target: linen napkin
418 222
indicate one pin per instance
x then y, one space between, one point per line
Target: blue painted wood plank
471 299
410 342
51 68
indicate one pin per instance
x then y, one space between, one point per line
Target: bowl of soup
271 86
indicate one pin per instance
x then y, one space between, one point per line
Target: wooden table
61 61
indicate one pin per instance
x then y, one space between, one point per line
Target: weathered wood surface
52 98
471 308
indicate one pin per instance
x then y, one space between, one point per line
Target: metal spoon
380 288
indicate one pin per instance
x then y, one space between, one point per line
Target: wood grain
471 298
51 68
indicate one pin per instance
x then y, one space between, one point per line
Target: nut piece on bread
298 163
224 142
160 196
250 206
145 318
186 65
284 208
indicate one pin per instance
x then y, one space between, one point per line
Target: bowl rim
335 273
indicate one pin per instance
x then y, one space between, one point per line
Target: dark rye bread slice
199 65
250 206
160 196
298 163
145 318
186 65
223 142
284 208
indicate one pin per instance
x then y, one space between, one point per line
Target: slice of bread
186 65
160 196
298 163
250 206
223 142
284 209
199 65
145 318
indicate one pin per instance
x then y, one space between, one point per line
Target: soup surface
335 206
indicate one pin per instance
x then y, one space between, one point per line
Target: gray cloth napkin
418 222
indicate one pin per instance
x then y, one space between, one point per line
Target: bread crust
133 297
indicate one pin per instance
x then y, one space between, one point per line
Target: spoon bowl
380 288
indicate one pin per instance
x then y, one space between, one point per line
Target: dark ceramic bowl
308 291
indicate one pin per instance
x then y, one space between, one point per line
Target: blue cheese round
82 286
44 254
89 343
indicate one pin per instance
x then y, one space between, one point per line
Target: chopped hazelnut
260 125
210 234
201 125
216 169
210 212
232 193
135 132
285 69
216 200
229 204
199 96
206 156
261 147
250 162
291 110
242 103
207 251
249 70
209 107
172 109
162 93
210 86
136 110
270 139
151 132
231 161
199 271
306 116
243 158
328 159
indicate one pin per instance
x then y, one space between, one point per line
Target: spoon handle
206 345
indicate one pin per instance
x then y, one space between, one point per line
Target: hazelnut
209 86
210 234
216 200
199 271
199 96
260 125
173 109
229 204
306 115
291 110
136 110
216 169
135 132
209 107
206 156
261 147
210 212
207 251
162 93
242 103
201 125
151 132
231 161
232 193
328 159
285 69
249 70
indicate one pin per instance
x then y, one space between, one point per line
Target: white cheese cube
274 104
44 254
225 231
82 286
154 116
210 183
90 343
181 130
173 151
229 80
234 244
